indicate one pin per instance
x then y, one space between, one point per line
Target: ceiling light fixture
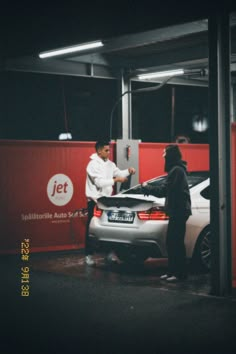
72 49
65 136
160 74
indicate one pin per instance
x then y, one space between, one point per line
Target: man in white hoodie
102 174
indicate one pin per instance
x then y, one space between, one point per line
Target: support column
126 110
220 153
127 149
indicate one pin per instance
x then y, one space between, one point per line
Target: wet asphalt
109 308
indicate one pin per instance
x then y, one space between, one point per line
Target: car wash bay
69 306
211 62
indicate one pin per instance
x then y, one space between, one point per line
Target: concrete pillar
220 153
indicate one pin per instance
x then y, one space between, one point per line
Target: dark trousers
88 249
176 247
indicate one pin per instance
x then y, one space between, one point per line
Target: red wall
151 162
26 210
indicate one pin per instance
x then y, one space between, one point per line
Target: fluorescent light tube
72 49
160 74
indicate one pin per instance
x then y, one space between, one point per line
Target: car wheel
202 253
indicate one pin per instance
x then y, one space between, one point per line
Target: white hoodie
99 180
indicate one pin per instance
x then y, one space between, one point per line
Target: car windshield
194 178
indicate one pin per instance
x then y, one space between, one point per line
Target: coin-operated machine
127 155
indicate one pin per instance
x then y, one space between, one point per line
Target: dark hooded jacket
175 189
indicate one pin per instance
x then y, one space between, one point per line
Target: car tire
202 252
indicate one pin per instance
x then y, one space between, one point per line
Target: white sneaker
110 258
89 260
172 279
164 276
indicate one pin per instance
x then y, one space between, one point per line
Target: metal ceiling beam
95 58
142 39
178 81
58 67
195 55
172 57
167 57
111 53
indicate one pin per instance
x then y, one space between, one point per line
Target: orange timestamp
25 270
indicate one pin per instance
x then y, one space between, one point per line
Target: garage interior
206 50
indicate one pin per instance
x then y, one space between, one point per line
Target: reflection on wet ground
73 308
146 275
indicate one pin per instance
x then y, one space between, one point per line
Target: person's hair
173 152
172 156
100 144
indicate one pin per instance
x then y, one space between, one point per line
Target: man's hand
132 170
145 189
120 179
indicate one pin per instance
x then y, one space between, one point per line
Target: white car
134 226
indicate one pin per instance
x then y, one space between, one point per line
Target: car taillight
152 214
97 212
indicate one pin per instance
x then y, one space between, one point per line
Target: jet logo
60 189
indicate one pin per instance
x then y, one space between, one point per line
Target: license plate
121 216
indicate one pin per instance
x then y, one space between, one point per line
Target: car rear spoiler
124 202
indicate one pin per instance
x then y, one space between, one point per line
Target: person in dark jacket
178 208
